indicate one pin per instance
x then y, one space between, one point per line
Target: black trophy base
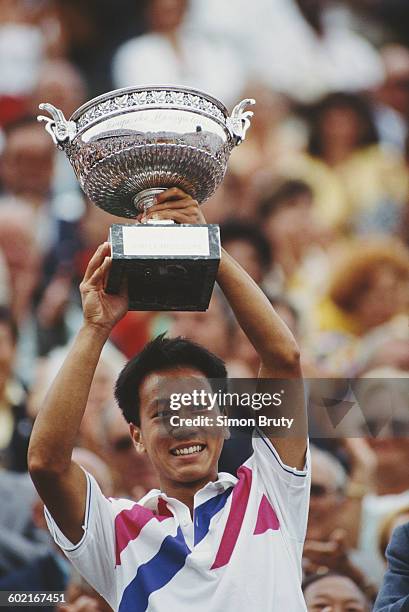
166 267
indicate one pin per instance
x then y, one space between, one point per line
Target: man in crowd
204 540
394 594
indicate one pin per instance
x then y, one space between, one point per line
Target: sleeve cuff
59 538
263 444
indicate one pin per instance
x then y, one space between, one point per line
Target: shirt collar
211 489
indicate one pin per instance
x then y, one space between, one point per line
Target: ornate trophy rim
141 88
131 161
128 99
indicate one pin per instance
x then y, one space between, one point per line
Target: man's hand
101 309
60 482
174 205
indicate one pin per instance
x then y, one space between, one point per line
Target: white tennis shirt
241 551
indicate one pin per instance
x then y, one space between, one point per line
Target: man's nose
183 432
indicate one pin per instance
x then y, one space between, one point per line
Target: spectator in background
319 52
333 591
61 83
394 593
392 487
391 352
22 49
211 328
41 316
296 240
392 15
335 512
274 138
92 30
303 48
404 229
27 164
380 414
169 53
15 425
336 496
49 570
392 520
358 186
80 597
392 97
286 216
30 32
228 201
100 400
248 245
27 174
20 543
367 293
21 255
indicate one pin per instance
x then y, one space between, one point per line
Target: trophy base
166 267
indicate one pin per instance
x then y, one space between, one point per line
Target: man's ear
136 436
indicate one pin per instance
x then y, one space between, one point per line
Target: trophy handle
61 130
239 121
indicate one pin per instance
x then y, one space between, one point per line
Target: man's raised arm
59 481
277 349
273 341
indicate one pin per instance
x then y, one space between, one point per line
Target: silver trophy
131 144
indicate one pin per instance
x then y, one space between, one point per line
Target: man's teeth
188 451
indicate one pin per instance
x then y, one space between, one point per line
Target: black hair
351 101
251 233
334 574
6 318
283 194
158 355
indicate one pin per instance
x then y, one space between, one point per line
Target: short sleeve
94 555
287 488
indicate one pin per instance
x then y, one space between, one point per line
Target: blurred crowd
314 205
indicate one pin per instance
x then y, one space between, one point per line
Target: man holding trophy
205 540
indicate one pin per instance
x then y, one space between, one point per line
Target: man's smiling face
179 454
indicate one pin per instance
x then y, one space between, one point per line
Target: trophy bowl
130 144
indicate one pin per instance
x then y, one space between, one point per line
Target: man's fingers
98 278
172 215
174 193
96 260
185 203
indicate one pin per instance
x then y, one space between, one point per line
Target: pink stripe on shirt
129 524
266 517
238 507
